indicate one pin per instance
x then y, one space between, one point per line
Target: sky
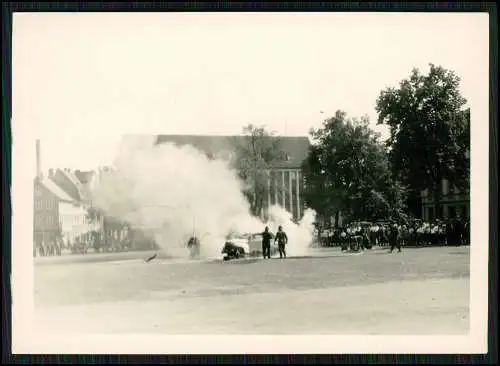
81 80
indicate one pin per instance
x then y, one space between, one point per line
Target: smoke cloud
172 192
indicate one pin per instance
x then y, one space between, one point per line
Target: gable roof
84 176
296 147
57 191
64 182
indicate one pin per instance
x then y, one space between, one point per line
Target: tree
347 170
429 131
253 161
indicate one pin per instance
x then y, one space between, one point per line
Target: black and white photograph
250 182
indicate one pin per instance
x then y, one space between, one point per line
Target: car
236 246
245 245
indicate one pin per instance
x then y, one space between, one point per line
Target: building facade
46 218
454 203
285 181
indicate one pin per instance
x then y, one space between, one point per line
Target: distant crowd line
92 242
365 235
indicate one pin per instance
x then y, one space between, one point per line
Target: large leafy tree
429 130
253 160
348 170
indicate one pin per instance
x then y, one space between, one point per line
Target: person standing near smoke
266 243
282 239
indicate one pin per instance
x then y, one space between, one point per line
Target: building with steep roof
46 226
59 209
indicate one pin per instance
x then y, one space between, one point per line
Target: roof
73 178
84 176
55 190
296 147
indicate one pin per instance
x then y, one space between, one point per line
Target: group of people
395 234
280 237
93 242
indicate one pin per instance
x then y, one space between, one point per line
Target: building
454 203
69 182
285 182
60 208
46 213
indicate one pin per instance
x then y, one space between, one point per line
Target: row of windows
44 204
446 189
74 219
41 220
449 211
66 220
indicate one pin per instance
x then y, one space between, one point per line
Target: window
430 213
445 187
463 211
293 204
287 190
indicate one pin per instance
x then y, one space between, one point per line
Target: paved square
418 291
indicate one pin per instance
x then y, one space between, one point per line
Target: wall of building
454 203
74 221
285 188
45 215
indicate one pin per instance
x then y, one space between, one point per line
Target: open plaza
419 291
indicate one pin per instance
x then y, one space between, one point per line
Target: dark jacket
266 238
281 237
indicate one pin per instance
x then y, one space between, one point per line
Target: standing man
266 243
282 241
394 237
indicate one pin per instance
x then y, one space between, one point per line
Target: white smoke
173 192
299 235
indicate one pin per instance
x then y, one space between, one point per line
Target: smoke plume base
173 192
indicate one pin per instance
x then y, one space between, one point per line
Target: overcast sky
80 80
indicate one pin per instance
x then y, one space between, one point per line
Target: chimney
38 160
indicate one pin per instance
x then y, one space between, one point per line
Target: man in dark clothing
282 241
394 237
266 243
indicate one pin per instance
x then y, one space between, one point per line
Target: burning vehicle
236 246
245 245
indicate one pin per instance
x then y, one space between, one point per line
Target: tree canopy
253 161
429 129
348 170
